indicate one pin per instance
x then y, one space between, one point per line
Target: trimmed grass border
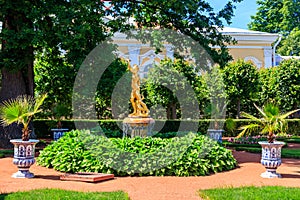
46 194
250 193
285 153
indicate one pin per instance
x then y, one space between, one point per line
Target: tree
56 77
172 84
33 26
193 18
74 28
276 16
290 46
241 85
106 87
288 93
268 17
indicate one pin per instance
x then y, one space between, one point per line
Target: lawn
285 153
250 193
53 194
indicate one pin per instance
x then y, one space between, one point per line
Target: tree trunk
171 111
20 80
238 108
13 84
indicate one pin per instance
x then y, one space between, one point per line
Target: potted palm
59 111
217 114
271 123
21 111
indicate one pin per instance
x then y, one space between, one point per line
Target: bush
169 127
190 155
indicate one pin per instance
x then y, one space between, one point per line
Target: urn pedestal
271 158
24 157
215 134
58 133
138 126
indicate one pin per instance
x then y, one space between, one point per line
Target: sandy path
157 188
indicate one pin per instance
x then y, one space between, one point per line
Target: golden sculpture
139 107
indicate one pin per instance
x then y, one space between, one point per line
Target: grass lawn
250 193
285 153
53 194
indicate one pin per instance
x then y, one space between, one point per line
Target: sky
242 12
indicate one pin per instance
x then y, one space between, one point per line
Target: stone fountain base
138 126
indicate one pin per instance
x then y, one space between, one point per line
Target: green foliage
279 16
285 152
249 193
20 111
174 81
282 85
82 151
169 128
269 85
196 19
106 85
56 77
241 85
45 194
268 17
288 76
216 109
290 45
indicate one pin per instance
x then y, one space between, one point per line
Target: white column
134 52
268 57
169 52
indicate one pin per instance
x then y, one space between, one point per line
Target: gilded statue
139 107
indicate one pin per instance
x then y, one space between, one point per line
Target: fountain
138 123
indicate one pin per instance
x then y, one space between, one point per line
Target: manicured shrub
190 155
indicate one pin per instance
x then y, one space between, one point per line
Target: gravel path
157 188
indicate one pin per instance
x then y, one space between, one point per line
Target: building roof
244 35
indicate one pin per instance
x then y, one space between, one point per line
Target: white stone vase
271 158
24 157
58 133
215 134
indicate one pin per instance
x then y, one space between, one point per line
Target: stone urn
24 157
271 158
58 133
215 134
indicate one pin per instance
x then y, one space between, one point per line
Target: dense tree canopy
171 89
241 85
65 31
279 16
290 46
276 16
75 27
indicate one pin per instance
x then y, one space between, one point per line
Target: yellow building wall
241 53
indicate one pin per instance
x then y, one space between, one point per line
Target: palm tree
271 123
21 110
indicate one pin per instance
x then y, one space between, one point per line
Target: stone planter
23 157
215 134
58 133
138 126
271 158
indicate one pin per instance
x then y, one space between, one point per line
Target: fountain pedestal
138 126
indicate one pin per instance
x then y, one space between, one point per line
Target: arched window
255 61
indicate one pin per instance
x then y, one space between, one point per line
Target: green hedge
112 128
190 155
